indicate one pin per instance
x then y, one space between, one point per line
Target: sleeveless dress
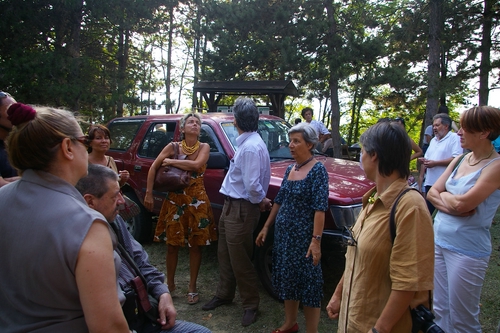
468 235
187 214
294 276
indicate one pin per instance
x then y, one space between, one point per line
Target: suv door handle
137 168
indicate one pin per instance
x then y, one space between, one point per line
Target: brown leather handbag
171 179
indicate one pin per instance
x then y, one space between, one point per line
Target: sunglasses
348 238
84 140
4 94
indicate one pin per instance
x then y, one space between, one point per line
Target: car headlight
345 216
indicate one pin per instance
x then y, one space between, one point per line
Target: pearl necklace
298 166
190 150
476 163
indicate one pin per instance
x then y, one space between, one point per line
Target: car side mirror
217 161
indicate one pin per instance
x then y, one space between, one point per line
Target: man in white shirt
319 127
442 149
245 187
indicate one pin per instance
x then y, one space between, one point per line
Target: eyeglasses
348 238
84 140
4 94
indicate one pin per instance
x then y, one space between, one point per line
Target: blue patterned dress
294 276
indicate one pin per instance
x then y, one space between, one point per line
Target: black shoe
215 302
249 317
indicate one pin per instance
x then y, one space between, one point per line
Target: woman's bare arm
487 183
417 150
96 280
168 150
191 165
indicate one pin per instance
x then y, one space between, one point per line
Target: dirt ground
226 318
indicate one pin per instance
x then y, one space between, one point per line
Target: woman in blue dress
299 215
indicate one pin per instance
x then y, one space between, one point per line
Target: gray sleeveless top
43 222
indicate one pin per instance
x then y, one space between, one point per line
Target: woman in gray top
57 263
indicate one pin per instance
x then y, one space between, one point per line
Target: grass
490 296
271 313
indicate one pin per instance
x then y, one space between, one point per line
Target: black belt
228 198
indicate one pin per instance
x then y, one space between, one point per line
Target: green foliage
360 59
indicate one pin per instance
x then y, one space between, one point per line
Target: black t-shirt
6 170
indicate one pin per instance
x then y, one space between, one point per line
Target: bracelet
374 330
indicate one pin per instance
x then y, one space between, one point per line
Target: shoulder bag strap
392 222
176 150
125 255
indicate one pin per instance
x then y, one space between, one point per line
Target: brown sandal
193 298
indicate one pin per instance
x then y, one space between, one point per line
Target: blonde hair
33 144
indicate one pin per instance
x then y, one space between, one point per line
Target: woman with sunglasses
384 277
58 265
100 141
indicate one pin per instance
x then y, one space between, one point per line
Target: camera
423 320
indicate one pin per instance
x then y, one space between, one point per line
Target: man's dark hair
304 110
445 119
443 109
96 181
246 114
298 121
392 145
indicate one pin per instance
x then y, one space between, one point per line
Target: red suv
136 141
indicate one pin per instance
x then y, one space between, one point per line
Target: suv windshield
274 132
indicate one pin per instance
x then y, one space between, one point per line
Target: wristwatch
317 237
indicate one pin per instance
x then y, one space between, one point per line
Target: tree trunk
122 68
168 82
334 80
433 65
485 67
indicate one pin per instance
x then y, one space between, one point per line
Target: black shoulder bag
422 318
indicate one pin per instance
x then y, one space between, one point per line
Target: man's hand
166 311
265 205
430 163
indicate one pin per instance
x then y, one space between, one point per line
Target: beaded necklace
298 166
476 163
190 150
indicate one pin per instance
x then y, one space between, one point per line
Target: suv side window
123 132
207 135
158 136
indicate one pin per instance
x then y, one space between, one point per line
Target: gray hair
96 181
182 122
445 119
246 114
308 133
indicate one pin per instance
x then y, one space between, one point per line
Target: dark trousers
429 205
237 223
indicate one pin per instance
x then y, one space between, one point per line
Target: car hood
347 182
